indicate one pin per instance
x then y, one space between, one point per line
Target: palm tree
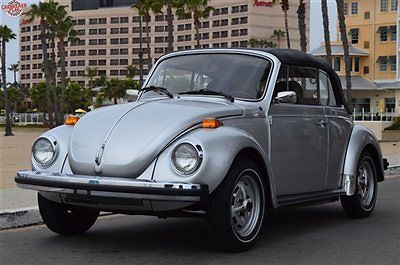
195 9
144 8
14 68
325 20
285 9
170 4
260 43
91 73
41 11
6 34
345 41
278 34
301 16
131 71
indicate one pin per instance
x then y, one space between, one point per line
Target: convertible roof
298 58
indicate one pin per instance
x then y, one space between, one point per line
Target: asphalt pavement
293 235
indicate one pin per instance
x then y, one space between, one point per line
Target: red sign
14 8
263 3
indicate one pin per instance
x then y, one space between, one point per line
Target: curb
19 218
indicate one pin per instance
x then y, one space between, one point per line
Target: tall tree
14 68
41 11
301 16
131 71
91 73
345 41
6 34
144 8
195 9
260 43
285 8
325 20
278 34
170 5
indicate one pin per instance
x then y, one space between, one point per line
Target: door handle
323 123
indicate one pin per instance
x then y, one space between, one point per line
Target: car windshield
229 75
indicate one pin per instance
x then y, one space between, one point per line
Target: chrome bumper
92 186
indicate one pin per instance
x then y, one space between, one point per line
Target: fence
362 115
24 118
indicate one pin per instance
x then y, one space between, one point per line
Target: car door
299 135
339 131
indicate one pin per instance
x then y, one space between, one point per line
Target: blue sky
316 35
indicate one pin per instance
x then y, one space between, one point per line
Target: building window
362 104
205 24
354 35
346 9
383 34
224 34
159 18
390 104
224 11
123 20
244 44
235 21
382 63
392 60
102 20
384 5
215 35
136 19
188 26
216 12
243 32
81 22
244 8
114 20
102 52
92 52
114 51
224 22
206 36
123 30
366 44
394 5
114 72
367 15
102 31
215 23
366 70
215 45
336 64
354 8
114 41
393 33
161 28
235 33
244 20
235 44
357 64
114 31
235 9
159 39
93 21
102 41
92 31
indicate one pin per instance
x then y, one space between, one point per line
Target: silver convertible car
225 134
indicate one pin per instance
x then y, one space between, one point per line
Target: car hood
123 140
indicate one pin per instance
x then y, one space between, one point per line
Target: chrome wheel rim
246 204
365 181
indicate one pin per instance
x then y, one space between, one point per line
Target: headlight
186 158
43 152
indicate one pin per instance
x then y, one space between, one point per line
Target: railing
28 118
373 115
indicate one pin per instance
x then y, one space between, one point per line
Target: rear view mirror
286 97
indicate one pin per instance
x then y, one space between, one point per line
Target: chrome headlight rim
199 152
54 146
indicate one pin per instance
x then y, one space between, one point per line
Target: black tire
357 205
222 225
65 219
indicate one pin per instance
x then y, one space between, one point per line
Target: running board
308 197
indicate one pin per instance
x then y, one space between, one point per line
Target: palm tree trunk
170 27
54 81
63 76
141 51
197 26
325 19
287 29
279 41
46 70
149 63
15 77
8 130
301 15
343 35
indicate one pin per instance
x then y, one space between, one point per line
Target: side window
327 94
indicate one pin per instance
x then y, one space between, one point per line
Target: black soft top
298 58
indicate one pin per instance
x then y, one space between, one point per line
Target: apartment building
372 27
109 35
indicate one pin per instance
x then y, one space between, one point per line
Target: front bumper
110 187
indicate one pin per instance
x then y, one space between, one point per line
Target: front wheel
362 203
66 219
236 209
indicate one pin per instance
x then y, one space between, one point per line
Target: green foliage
260 43
395 125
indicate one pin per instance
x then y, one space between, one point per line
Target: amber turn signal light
71 120
211 123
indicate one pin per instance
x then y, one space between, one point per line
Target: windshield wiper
208 92
161 90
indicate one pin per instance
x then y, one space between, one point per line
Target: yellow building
372 32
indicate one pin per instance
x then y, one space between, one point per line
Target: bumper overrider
92 189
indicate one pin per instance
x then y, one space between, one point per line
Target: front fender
360 139
220 147
61 136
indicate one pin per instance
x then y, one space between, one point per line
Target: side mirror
286 97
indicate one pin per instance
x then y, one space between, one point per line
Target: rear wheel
236 209
362 203
66 219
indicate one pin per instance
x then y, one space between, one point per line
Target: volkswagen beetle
220 133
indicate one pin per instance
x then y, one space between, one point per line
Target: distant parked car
223 133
